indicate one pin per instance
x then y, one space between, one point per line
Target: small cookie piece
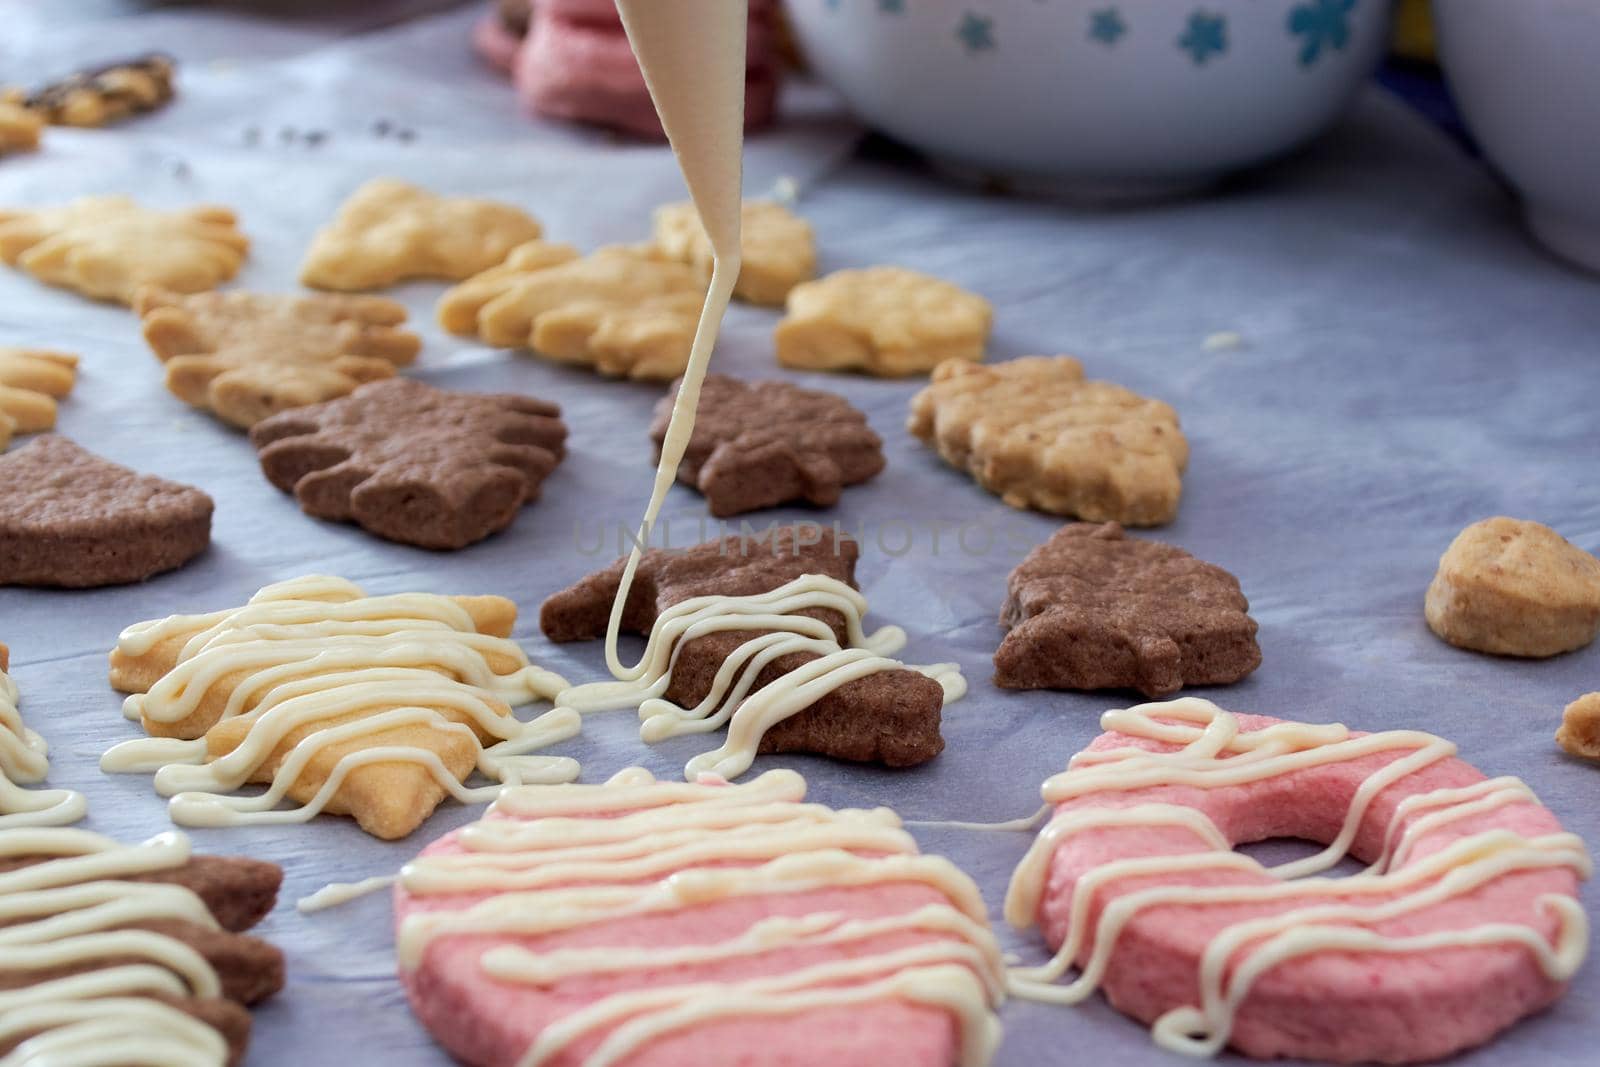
73 520
1580 727
245 356
107 93
778 250
1514 587
390 232
412 463
887 321
31 381
107 247
1033 431
627 311
24 761
19 127
760 444
1094 609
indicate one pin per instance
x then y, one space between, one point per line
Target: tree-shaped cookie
390 232
412 463
626 311
1094 609
778 250
1035 432
244 356
760 444
31 381
107 247
887 321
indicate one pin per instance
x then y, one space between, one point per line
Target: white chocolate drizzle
316 659
730 701
1212 753
24 760
74 907
569 856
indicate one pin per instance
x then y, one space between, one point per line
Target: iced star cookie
245 356
626 311
1465 921
130 953
660 924
1515 588
1039 435
31 381
108 247
389 232
778 653
24 761
412 463
374 707
887 321
72 520
778 250
1092 608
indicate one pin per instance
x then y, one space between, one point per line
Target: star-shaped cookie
889 717
389 232
412 463
778 250
244 356
1094 609
107 247
760 444
1035 432
887 321
31 381
626 311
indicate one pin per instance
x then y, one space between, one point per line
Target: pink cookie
765 927
496 44
1383 974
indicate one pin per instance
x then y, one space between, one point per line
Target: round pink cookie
489 1023
1339 1006
497 45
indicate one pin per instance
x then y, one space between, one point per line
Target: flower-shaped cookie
777 248
245 356
31 381
887 321
1035 432
628 312
107 247
390 232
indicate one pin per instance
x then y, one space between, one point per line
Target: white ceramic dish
1526 74
1099 97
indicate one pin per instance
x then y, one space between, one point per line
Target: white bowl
1526 74
1100 97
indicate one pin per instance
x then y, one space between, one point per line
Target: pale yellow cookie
245 356
1515 588
106 247
389 232
31 381
1580 727
19 127
626 311
1034 431
887 321
777 247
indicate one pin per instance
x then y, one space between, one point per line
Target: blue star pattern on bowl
976 33
892 7
1321 23
1206 35
1107 26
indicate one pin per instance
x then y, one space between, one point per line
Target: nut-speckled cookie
412 463
71 519
1094 609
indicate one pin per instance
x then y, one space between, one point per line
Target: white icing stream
24 761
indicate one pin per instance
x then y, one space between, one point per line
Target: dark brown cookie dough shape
1092 608
412 463
760 444
71 519
891 717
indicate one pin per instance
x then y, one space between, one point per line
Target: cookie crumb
1223 341
1580 727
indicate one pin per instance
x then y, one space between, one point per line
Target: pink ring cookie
1466 921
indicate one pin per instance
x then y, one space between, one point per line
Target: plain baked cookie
389 232
31 381
887 321
777 248
1515 588
71 519
19 127
1034 431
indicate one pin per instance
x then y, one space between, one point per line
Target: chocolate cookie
760 444
412 463
891 717
71 519
1093 609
